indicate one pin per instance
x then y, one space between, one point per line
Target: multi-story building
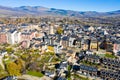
116 47
51 30
13 36
3 37
27 36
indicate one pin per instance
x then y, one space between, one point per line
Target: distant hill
43 11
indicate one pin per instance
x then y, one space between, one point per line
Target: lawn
79 77
69 78
110 56
34 73
89 63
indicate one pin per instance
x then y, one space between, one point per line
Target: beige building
51 29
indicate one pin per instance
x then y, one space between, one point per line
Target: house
81 55
57 49
33 26
78 42
52 39
88 70
24 25
111 64
25 44
94 44
89 52
60 78
86 27
65 41
43 47
85 70
50 74
109 75
72 41
61 65
92 58
116 47
103 44
3 53
91 28
86 44
118 53
37 40
109 46
10 78
39 35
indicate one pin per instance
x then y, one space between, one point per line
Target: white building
71 41
51 30
13 37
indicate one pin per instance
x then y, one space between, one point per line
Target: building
111 64
51 29
109 75
92 58
116 47
3 38
13 36
91 28
65 42
25 36
86 70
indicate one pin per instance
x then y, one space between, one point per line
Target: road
29 77
1 62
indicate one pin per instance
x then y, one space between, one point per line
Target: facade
109 75
111 64
3 38
13 37
65 42
51 30
57 49
86 70
116 47
92 58
27 36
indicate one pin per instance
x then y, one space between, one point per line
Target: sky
76 5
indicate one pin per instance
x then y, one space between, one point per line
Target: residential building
3 38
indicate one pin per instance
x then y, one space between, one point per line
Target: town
58 48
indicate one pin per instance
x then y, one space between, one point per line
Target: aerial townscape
40 43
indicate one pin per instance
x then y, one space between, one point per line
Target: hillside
42 11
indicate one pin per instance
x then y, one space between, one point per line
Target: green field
34 73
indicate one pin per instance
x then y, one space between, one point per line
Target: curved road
1 62
29 77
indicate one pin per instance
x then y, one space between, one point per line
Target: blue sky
77 5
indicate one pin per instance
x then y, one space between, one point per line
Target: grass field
34 73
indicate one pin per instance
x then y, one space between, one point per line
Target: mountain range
43 11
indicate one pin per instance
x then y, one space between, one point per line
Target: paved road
1 62
29 77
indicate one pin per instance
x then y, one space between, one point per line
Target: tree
13 69
59 30
21 64
9 50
